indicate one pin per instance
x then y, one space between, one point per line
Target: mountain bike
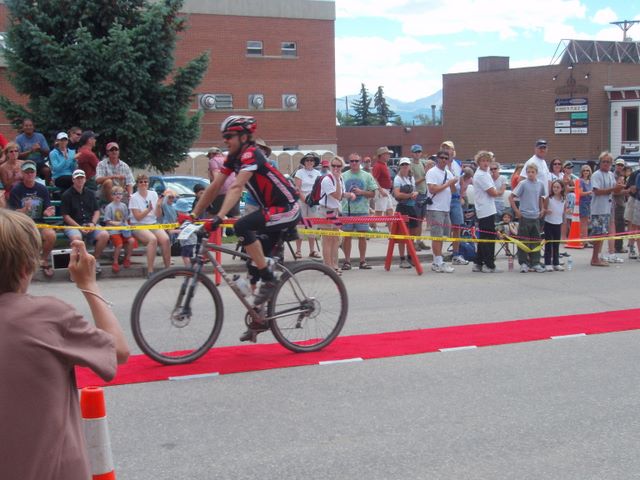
177 314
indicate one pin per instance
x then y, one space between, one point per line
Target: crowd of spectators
93 192
433 190
428 190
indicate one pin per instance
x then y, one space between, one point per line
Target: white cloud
507 18
464 66
604 16
396 64
611 33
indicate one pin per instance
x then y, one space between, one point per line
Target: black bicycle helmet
238 124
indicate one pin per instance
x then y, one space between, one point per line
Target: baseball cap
62 135
568 163
382 151
541 142
29 165
404 161
110 145
416 148
213 151
620 161
78 173
448 143
325 163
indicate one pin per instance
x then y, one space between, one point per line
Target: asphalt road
555 409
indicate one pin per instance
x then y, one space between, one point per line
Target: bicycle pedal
249 336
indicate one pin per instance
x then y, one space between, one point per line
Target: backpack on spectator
315 195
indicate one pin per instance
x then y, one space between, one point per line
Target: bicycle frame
256 315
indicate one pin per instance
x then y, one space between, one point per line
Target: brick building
272 59
365 140
571 104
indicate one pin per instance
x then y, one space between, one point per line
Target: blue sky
406 45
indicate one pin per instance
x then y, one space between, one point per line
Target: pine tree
362 108
384 113
107 66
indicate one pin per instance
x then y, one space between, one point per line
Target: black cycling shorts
271 219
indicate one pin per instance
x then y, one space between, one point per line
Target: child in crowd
117 214
531 195
187 246
554 207
169 213
507 227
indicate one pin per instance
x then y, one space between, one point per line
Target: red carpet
225 360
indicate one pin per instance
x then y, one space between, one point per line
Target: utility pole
625 25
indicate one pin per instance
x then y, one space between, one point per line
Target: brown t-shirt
42 339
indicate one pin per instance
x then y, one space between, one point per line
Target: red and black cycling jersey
267 185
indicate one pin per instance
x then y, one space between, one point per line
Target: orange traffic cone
96 432
574 231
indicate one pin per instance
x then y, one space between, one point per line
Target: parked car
183 185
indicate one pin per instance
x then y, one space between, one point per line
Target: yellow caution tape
506 239
164 226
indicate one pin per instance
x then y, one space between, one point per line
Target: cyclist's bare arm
209 194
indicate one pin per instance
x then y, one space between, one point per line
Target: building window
289 49
254 47
630 126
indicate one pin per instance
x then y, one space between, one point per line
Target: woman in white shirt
145 208
304 179
332 192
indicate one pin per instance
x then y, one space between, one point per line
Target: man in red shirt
383 203
87 160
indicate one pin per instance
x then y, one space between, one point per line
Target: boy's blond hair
20 245
532 166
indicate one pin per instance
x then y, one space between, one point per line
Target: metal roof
593 51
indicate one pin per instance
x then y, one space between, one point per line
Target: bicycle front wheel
174 319
308 308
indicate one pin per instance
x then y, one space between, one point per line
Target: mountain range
407 110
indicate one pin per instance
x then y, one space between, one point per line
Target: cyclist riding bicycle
274 194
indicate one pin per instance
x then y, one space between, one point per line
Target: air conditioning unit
256 101
290 101
215 101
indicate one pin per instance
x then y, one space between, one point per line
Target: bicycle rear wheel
164 328
308 308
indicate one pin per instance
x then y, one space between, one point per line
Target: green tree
344 119
362 108
108 66
384 113
423 119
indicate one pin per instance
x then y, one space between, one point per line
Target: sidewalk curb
138 270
